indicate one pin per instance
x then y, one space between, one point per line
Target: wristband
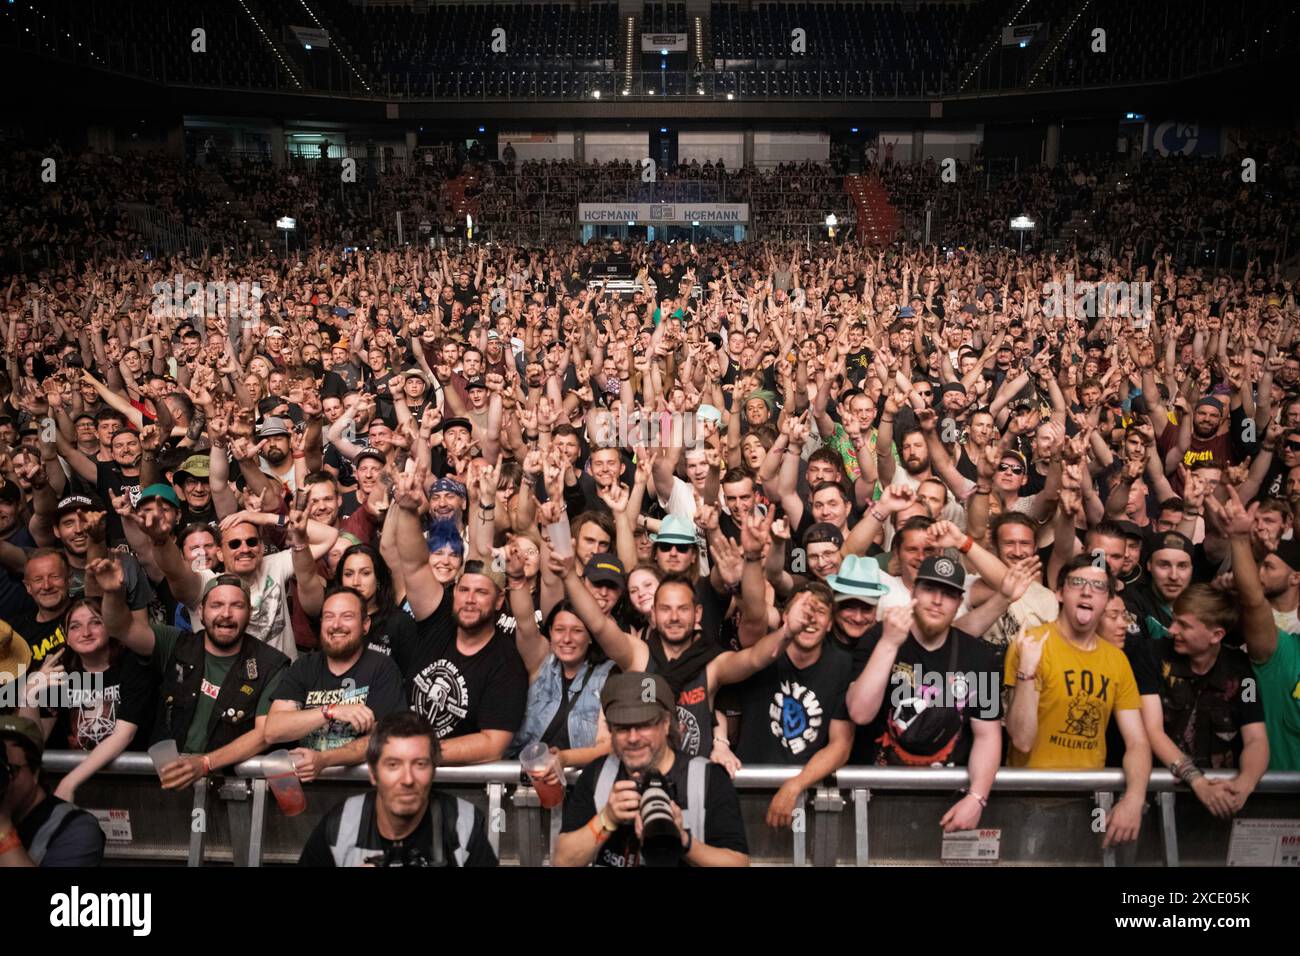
297 455
207 764
597 827
1026 678
967 545
690 842
971 793
280 520
328 712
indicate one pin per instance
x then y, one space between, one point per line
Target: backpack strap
345 844
464 830
41 842
697 778
605 782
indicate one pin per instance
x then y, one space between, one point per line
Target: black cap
79 503
1173 541
822 532
1130 530
365 453
476 383
1289 553
456 423
604 568
943 570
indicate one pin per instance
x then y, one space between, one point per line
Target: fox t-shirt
1078 691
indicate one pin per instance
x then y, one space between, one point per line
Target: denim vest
545 695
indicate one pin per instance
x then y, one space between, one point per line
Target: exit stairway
878 220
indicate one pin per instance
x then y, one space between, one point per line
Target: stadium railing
860 816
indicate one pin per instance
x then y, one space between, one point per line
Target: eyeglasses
1014 469
235 544
665 547
1082 583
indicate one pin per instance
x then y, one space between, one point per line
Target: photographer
647 804
37 828
395 825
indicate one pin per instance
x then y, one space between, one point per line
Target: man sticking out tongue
1068 684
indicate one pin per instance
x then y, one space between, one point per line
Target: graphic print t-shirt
270 620
373 680
462 695
925 716
123 692
788 711
1078 691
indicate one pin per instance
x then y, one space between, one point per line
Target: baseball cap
24 727
943 571
224 580
275 330
374 453
10 493
952 387
161 491
196 466
906 312
1130 530
476 383
1288 551
79 503
822 532
486 570
272 426
604 568
635 697
456 423
1173 541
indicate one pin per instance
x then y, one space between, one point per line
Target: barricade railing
1043 817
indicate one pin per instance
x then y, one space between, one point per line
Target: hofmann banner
643 213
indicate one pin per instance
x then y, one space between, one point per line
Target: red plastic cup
278 768
539 763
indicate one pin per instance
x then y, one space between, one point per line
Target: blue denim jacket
544 697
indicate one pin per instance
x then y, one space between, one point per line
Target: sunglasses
1293 446
664 548
1082 583
1014 469
236 543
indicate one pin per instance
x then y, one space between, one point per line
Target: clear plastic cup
538 762
162 753
561 539
279 770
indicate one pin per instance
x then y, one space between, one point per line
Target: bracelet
1026 678
207 764
10 841
983 491
967 545
327 712
298 455
878 516
971 793
752 555
597 827
690 841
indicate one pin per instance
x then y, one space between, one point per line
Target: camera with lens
396 856
661 840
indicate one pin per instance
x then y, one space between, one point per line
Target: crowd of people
845 506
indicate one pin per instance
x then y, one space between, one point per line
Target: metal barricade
861 816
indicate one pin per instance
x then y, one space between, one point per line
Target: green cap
165 492
23 727
196 466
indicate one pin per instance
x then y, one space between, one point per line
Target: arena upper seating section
867 49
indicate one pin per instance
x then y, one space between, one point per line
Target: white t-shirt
270 620
681 502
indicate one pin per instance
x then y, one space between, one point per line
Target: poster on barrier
116 824
1264 843
971 846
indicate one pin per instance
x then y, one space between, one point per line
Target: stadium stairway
878 220
1058 42
454 191
288 68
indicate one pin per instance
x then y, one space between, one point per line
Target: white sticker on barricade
116 824
971 846
1264 843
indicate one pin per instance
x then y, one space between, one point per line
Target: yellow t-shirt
1077 693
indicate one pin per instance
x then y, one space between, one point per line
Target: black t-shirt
127 693
110 479
1141 654
787 712
931 698
723 825
373 680
418 844
43 637
462 695
397 627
